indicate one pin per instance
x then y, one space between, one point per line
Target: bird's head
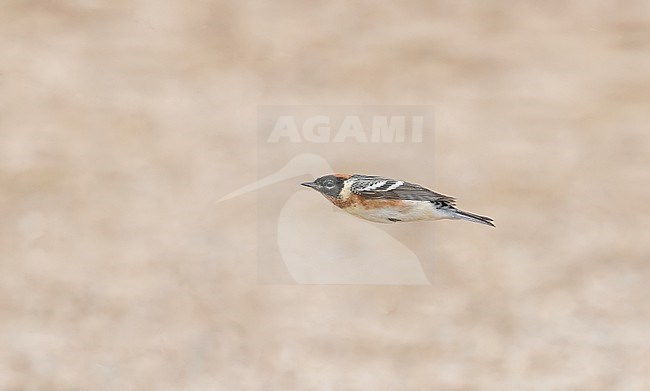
328 185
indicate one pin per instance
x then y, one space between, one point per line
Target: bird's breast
388 211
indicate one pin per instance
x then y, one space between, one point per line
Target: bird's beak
310 184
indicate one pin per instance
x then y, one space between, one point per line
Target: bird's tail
461 214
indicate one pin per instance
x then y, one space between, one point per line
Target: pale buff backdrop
121 122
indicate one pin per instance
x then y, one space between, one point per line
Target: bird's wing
392 189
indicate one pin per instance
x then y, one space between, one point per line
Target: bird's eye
329 184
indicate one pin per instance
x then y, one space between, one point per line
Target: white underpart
395 185
412 211
373 186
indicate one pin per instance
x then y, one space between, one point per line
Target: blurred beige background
122 122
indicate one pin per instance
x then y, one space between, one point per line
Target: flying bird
385 200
